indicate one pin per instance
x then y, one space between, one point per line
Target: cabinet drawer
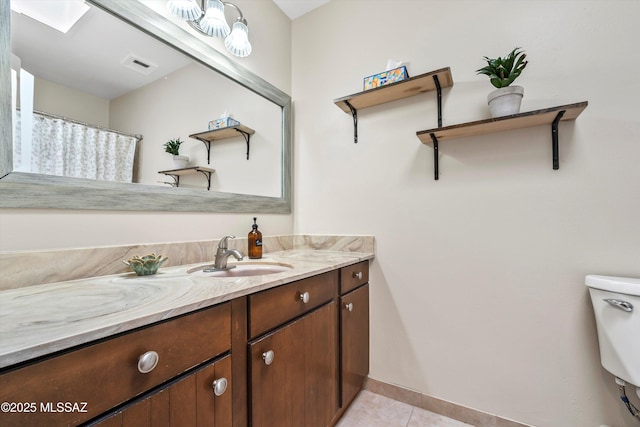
106 374
353 276
276 306
191 401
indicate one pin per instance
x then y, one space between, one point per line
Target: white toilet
616 303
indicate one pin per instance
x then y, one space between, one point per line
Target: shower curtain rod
66 119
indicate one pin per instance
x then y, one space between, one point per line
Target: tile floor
374 410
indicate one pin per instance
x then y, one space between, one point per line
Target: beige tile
373 410
424 418
445 408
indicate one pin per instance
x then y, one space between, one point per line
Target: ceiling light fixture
210 20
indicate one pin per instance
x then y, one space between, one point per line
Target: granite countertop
39 320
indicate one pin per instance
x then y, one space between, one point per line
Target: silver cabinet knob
268 357
304 297
219 386
357 275
147 362
349 306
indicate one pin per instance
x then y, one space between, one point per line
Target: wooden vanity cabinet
293 355
202 398
100 376
294 367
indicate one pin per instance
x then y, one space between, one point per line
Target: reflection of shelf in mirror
546 116
229 132
427 82
177 173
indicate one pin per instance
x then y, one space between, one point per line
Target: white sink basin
242 270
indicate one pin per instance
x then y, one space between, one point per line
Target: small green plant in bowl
147 265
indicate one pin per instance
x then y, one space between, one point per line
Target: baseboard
448 409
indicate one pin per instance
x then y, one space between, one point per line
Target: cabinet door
355 342
192 401
294 372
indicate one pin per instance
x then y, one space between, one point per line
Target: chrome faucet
223 253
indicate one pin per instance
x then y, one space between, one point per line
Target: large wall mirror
89 111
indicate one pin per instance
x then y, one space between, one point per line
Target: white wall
478 292
66 102
35 229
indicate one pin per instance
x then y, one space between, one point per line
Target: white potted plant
173 147
506 99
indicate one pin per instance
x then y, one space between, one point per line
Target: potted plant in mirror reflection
506 99
173 147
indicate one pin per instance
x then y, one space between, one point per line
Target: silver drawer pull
268 357
349 306
304 297
219 386
357 275
147 362
622 305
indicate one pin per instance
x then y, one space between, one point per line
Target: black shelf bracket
436 81
247 138
554 140
354 113
435 155
176 180
207 145
207 175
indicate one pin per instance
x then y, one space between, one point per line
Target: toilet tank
616 304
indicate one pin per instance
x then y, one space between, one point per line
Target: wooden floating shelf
395 91
177 173
210 136
222 133
427 82
187 171
546 116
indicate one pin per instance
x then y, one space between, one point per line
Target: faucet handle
223 241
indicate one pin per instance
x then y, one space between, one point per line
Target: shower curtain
66 148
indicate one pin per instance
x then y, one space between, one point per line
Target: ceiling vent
138 64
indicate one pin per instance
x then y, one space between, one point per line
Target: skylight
58 14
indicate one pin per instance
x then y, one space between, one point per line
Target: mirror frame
27 190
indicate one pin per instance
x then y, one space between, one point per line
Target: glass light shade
238 41
185 9
214 23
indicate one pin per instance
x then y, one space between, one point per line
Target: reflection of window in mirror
136 85
21 100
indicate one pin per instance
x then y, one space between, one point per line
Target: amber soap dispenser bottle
255 241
